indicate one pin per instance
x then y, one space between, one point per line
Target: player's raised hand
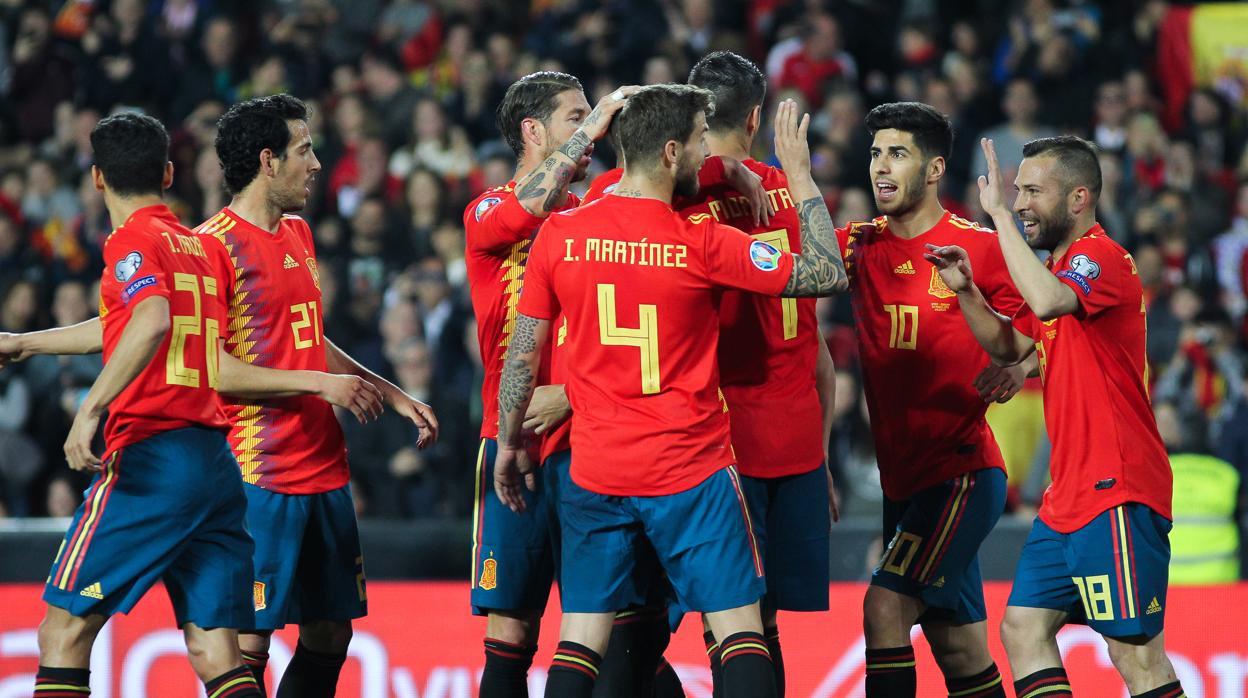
999 383
420 414
511 468
750 185
352 393
991 198
599 120
792 148
547 409
954 266
78 444
11 350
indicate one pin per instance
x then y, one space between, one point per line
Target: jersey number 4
645 337
194 325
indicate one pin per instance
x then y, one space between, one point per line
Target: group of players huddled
658 404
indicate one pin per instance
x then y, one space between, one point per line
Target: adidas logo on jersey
289 262
93 592
1153 607
907 268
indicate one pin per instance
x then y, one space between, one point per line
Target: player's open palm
599 120
991 197
792 148
513 471
953 264
78 444
352 393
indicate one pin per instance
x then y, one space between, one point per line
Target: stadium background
404 93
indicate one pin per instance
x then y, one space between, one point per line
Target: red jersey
711 175
768 347
292 445
640 287
499 232
1106 449
151 254
918 355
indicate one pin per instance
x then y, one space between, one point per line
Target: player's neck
120 208
254 207
639 185
918 221
1081 227
730 144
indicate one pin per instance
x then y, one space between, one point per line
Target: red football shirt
499 233
768 347
291 445
918 355
1106 449
151 254
640 287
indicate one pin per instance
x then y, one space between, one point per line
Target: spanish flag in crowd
1202 45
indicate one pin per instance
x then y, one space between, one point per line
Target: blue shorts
168 508
514 556
791 523
701 537
934 539
308 561
1111 574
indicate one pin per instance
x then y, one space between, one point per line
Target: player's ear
267 167
533 133
671 153
97 178
1079 200
167 180
754 120
935 169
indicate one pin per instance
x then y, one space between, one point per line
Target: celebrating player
772 361
1098 552
942 473
631 275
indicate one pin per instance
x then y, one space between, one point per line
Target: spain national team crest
257 596
937 286
314 271
489 574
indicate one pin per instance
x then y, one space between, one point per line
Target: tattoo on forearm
576 145
532 186
516 387
563 175
819 270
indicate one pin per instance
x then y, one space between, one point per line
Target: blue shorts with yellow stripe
1111 574
169 508
701 537
791 523
514 556
934 539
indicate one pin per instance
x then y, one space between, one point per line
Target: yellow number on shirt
779 239
903 326
1098 603
1043 359
307 318
645 337
183 326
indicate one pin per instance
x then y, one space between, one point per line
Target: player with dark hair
772 360
166 459
652 481
940 467
1099 551
309 568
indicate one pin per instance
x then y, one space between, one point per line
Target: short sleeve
713 172
1024 320
1094 271
736 260
537 298
995 281
498 220
132 269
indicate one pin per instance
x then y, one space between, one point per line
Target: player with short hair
1099 551
940 467
651 448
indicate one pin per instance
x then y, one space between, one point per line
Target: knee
879 617
61 633
330 637
1017 635
1136 660
212 653
520 629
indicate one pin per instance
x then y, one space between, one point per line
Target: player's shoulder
864 231
769 173
958 223
487 200
1096 251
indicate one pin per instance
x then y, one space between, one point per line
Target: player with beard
940 467
1099 551
652 472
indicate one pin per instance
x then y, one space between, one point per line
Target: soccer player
1098 551
941 470
652 467
167 501
309 568
772 362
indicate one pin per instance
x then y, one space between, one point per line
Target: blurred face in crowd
414 365
898 172
1043 203
69 304
295 170
571 110
1111 104
1019 104
219 43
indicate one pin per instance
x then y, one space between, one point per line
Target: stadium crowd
403 95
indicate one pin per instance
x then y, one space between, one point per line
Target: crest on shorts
489 574
937 286
257 596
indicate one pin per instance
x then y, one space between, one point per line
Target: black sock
777 659
506 672
717 669
890 673
311 674
235 683
1050 683
257 662
58 682
630 660
747 666
666 682
985 684
572 672
1170 690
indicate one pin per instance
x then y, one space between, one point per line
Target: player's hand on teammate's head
999 383
599 120
420 414
991 198
750 184
792 148
11 350
352 393
78 443
511 468
954 266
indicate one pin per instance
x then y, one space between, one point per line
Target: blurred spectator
1110 117
43 74
818 61
1229 251
1019 105
1205 375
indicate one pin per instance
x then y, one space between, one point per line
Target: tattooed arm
819 269
514 393
543 189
